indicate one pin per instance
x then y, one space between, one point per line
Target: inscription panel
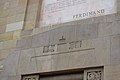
60 11
93 74
31 77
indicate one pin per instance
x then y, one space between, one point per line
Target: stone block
19 10
27 64
33 2
20 17
61 62
118 5
38 51
102 50
14 26
14 78
11 60
110 18
4 13
4 53
105 29
31 16
44 63
24 43
64 32
16 35
87 31
62 47
115 50
26 33
11 19
1 45
3 21
32 6
29 24
109 28
112 72
100 19
9 44
2 64
4 78
81 59
40 40
6 36
22 2
2 28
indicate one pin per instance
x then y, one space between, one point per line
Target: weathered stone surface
87 31
26 33
9 44
67 32
12 59
44 63
40 40
24 43
38 51
29 25
14 26
109 28
102 50
112 72
6 36
26 63
3 21
115 50
16 35
1 45
14 77
4 53
2 28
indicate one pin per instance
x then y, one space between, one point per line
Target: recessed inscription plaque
31 77
60 11
93 74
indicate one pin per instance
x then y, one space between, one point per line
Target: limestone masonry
59 39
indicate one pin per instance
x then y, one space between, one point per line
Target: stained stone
6 36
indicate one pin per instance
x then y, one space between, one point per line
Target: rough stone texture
26 63
24 43
21 51
115 50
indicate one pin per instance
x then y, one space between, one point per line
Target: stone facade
90 45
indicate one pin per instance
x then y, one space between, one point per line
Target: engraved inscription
61 11
50 48
36 77
60 4
75 44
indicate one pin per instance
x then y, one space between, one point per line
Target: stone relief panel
75 44
31 77
50 48
93 74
